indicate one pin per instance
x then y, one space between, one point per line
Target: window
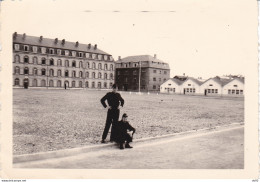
111 76
209 91
43 61
35 83
110 85
125 79
241 91
160 72
67 63
100 66
93 65
235 85
43 71
51 51
73 74
165 72
17 58
59 52
17 70
43 49
212 90
216 91
237 92
26 59
105 85
17 81
74 53
26 71
58 83
173 89
59 62
80 54
187 89
73 84
229 91
99 84
35 71
66 73
80 74
43 83
111 67
193 90
105 67
51 83
105 76
233 91
26 48
93 75
35 60
210 85
99 75
16 47
134 72
93 84
87 84
154 71
80 84
80 64
87 64
51 72
59 73
189 84
51 62
160 79
154 86
67 53
63 52
73 63
87 74
154 79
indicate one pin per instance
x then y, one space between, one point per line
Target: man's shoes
121 146
128 146
103 141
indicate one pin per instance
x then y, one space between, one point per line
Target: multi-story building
144 73
44 62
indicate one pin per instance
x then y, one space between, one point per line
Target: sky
200 38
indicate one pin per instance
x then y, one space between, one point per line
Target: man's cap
124 115
114 86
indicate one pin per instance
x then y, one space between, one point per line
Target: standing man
114 99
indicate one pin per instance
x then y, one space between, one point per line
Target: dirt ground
46 120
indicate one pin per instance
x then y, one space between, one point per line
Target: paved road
222 149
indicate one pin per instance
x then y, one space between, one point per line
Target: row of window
235 92
135 72
67 63
160 71
61 52
43 83
190 90
59 73
170 89
160 79
213 91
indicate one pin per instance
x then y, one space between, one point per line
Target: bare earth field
46 120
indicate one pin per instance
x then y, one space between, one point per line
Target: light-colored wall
215 85
171 85
230 86
192 85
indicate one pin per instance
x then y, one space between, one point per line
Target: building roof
140 58
179 82
47 42
195 80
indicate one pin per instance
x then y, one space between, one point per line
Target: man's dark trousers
112 118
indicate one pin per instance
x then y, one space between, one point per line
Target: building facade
141 73
52 63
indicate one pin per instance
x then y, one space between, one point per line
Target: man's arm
130 128
121 100
103 100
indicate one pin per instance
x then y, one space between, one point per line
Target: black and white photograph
144 89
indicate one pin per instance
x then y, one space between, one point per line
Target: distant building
43 62
232 86
150 71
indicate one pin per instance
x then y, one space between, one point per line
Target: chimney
89 46
15 35
77 44
63 41
56 41
95 47
154 56
119 57
24 35
40 38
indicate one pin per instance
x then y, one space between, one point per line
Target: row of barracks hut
232 86
40 62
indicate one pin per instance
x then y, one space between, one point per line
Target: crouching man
122 136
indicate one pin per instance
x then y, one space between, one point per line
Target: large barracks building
141 73
44 62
